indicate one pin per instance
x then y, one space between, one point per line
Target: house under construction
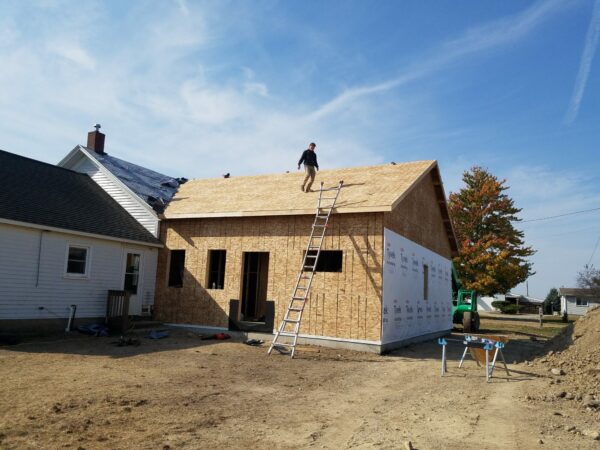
234 246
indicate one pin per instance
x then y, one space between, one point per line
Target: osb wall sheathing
418 217
344 305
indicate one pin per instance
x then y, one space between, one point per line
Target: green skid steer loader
464 305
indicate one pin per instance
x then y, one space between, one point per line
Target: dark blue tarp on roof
154 188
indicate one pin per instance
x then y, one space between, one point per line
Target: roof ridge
289 172
91 151
15 155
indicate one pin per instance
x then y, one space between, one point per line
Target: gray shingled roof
152 187
42 194
578 292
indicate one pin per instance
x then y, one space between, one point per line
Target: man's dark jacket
309 158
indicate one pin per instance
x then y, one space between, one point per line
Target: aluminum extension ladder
290 325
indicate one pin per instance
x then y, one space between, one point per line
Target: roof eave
287 212
17 223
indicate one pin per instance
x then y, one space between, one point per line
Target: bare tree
589 278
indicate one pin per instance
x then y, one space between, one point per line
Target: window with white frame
77 260
581 302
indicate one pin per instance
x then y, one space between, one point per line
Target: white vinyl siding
130 202
573 308
26 293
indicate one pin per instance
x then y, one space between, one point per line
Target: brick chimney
96 140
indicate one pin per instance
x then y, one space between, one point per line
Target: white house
143 193
64 241
527 304
484 303
578 302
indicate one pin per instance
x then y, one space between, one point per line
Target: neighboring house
64 241
484 303
142 192
384 275
527 304
578 302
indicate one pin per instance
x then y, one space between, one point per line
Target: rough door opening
254 286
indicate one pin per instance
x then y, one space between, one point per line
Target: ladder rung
328 198
319 225
298 298
291 320
287 334
310 256
322 217
283 344
296 309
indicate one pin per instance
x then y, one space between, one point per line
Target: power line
594 251
560 215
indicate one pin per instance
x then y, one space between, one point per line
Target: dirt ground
84 392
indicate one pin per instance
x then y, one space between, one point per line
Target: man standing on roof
309 158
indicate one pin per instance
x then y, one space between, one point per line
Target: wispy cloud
73 52
157 85
562 244
183 7
591 42
477 39
252 87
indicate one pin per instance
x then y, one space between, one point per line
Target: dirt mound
575 359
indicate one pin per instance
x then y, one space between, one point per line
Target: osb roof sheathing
365 189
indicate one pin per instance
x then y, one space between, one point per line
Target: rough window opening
425 282
581 302
176 267
216 269
329 261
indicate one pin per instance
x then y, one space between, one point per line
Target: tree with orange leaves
492 253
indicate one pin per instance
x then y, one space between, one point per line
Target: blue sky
198 89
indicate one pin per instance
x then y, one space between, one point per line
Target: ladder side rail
311 272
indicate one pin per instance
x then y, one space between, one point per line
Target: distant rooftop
579 292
